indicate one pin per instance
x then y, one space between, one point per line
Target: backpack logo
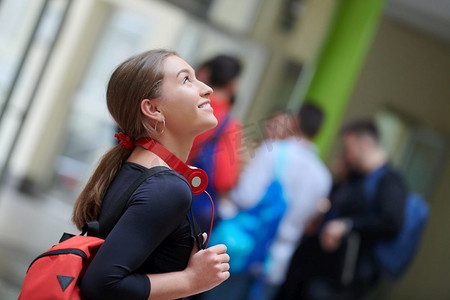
64 281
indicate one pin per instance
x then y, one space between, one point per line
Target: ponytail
137 78
88 205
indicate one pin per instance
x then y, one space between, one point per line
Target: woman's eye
186 79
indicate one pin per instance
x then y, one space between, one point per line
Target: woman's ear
150 109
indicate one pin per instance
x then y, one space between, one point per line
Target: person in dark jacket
336 262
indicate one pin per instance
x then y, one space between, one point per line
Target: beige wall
301 44
410 72
407 71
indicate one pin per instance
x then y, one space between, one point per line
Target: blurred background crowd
322 94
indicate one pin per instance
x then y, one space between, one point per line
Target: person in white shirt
305 181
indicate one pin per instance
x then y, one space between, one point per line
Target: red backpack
55 274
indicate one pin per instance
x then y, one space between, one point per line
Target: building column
34 157
338 65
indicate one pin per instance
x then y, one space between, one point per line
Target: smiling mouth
206 104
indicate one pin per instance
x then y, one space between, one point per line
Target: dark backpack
56 273
394 255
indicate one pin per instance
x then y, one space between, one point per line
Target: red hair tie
124 140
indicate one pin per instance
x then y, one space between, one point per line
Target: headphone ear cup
197 179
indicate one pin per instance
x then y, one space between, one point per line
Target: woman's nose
205 90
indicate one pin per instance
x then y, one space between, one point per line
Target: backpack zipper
61 251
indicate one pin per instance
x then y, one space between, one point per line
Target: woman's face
185 100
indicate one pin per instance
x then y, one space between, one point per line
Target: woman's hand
206 269
209 267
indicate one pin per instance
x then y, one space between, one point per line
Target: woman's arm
206 269
157 208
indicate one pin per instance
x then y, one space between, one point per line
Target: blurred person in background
217 150
279 126
307 182
304 181
151 95
324 266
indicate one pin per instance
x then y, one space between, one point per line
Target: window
416 150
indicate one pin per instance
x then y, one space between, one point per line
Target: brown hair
138 78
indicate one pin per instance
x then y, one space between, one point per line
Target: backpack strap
280 160
198 235
113 214
219 130
371 183
216 135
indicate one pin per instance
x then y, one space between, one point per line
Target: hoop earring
164 126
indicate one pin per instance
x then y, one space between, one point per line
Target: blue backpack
249 234
395 254
201 205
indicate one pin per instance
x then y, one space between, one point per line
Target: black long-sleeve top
386 207
153 235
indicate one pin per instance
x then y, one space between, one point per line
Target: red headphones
197 178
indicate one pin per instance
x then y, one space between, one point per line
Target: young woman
150 253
